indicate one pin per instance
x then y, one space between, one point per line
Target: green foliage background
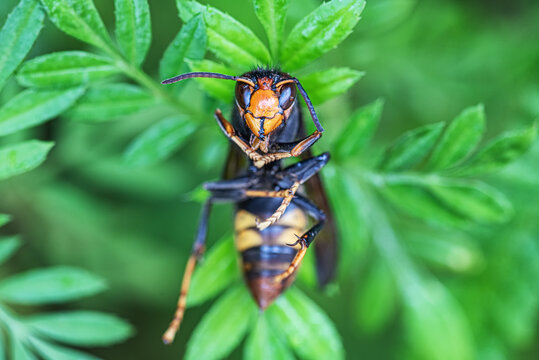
438 220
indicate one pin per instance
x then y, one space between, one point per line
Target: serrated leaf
111 101
4 219
54 352
22 157
34 107
230 40
133 28
18 35
499 152
326 84
159 141
358 130
8 246
81 328
436 326
320 31
49 286
65 69
80 19
265 343
309 331
218 270
223 326
474 200
411 147
376 299
190 43
272 16
219 89
459 139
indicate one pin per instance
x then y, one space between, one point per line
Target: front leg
230 133
284 150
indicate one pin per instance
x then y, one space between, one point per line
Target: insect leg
196 252
293 177
225 190
296 148
258 159
306 239
230 133
289 195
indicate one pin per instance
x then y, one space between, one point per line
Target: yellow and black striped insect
272 231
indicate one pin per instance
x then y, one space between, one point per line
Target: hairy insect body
267 253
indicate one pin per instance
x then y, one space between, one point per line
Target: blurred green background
427 59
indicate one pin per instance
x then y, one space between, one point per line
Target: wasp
267 127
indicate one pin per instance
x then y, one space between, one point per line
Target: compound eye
243 95
288 96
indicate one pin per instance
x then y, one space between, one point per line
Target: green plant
425 227
29 336
429 173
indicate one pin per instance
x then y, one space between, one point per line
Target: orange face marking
263 109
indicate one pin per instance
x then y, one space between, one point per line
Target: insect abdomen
265 253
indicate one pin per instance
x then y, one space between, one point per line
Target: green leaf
54 352
81 328
3 347
459 139
272 16
18 350
51 285
4 219
411 147
265 343
358 130
159 141
18 35
228 39
111 101
320 31
219 89
32 107
133 28
452 252
351 211
80 19
66 69
418 202
309 331
436 325
377 299
501 151
223 326
218 270
22 157
326 84
190 43
8 246
475 200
